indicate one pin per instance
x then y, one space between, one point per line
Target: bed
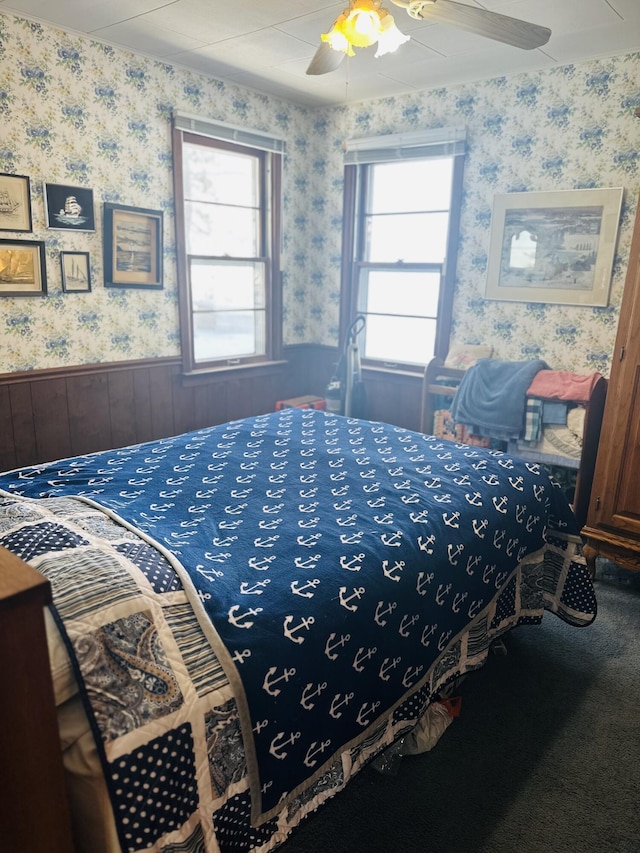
244 616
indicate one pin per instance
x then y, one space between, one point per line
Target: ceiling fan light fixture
390 37
337 39
362 24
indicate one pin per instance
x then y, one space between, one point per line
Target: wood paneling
53 414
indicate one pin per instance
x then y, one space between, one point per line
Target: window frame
356 183
270 165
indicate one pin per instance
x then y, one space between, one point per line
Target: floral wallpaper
79 112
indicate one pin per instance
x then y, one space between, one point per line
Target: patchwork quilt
284 595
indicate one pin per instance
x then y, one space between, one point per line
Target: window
402 208
228 238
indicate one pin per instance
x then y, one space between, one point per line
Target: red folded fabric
563 385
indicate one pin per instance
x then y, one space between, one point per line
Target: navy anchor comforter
333 562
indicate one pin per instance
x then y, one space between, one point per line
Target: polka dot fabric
154 789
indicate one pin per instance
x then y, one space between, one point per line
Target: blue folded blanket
491 398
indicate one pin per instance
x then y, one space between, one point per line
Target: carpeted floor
544 757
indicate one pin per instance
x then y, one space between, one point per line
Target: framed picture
132 247
22 268
76 272
555 247
69 208
15 203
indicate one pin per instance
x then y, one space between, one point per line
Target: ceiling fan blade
502 28
325 59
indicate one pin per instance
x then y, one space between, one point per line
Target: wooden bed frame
34 814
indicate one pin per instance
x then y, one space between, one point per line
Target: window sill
189 376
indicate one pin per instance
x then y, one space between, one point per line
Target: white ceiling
267 44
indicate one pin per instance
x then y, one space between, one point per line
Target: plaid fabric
533 419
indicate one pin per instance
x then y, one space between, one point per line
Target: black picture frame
23 269
132 245
15 203
76 272
69 208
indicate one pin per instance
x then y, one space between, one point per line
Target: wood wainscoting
61 412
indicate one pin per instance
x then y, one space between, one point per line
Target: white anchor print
261 564
338 493
269 680
267 542
457 601
308 562
361 656
378 502
444 639
407 623
451 520
310 759
394 573
240 657
354 564
351 538
339 702
365 712
380 612
309 693
394 540
280 741
309 522
531 521
453 552
330 645
472 562
253 589
427 632
418 517
299 590
345 599
443 591
289 632
422 582
411 673
370 488
384 519
272 524
425 543
498 536
474 609
349 521
386 666
309 541
479 526
236 618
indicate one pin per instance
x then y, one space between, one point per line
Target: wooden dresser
613 520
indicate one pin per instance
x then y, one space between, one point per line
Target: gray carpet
544 757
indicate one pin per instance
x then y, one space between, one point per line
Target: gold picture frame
132 247
22 268
554 247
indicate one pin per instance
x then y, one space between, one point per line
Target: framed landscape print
554 247
69 208
132 247
22 268
15 203
76 272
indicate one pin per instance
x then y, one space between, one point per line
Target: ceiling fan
365 22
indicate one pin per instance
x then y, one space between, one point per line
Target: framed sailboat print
76 272
132 245
69 208
15 203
